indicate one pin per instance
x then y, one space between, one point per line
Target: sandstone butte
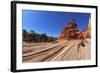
71 31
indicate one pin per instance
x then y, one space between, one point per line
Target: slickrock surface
68 50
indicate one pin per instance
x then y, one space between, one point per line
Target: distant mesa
33 36
71 31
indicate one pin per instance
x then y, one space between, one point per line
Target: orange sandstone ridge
72 32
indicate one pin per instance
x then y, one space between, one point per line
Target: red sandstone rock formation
71 32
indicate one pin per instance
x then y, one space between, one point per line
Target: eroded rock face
72 32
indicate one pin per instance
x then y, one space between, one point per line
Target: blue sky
52 23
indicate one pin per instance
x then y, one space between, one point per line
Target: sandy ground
63 51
